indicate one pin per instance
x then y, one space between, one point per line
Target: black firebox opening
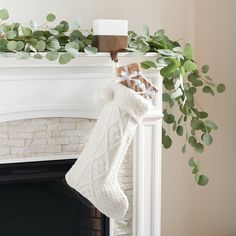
36 201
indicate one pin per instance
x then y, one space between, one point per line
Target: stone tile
26 128
61 126
14 142
4 151
70 147
21 135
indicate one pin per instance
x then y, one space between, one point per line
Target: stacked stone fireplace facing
57 138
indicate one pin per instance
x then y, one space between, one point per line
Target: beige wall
135 12
187 210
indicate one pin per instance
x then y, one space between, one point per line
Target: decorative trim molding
147 172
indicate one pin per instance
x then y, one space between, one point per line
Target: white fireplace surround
41 89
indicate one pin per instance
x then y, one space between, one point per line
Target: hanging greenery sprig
182 78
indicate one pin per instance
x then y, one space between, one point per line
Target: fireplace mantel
40 89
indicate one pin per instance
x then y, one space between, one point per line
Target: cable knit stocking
95 173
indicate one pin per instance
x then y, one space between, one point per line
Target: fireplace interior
36 201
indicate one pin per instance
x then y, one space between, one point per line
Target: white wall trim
147 173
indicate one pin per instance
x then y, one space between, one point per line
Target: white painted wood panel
39 89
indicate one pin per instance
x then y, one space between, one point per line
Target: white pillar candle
110 27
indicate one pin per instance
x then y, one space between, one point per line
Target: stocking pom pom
104 95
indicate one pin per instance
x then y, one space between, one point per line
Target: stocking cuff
127 99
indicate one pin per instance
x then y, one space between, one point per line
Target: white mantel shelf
39 89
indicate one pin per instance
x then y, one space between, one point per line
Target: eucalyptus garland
182 77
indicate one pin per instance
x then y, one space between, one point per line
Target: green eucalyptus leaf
53 45
199 148
166 52
159 33
65 58
178 49
180 130
188 51
203 180
220 88
206 89
52 55
190 66
205 69
38 56
165 97
166 141
192 141
211 84
145 31
171 103
197 83
51 17
22 55
177 93
73 52
208 78
192 90
202 115
193 132
20 45
41 45
73 45
195 170
11 34
197 177
210 124
144 48
180 119
26 31
12 45
91 50
169 118
65 25
191 162
196 124
32 25
3 45
54 32
186 86
174 125
192 77
173 65
163 131
38 33
15 26
184 148
75 35
207 139
4 15
5 28
148 64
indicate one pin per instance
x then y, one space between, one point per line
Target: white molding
45 111
147 173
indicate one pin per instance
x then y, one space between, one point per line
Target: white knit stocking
95 173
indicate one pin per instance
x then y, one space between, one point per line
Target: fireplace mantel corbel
40 89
